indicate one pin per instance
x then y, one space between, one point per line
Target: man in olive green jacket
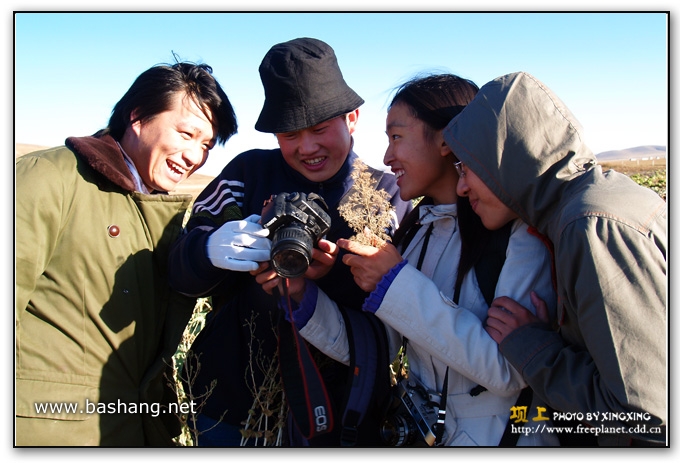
96 322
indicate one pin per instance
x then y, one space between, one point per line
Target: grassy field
650 173
642 167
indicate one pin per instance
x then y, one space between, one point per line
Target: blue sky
611 69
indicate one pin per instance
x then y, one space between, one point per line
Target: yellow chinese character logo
539 416
519 414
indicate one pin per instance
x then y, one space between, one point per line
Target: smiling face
423 165
319 152
493 212
169 147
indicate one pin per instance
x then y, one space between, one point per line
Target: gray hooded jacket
607 362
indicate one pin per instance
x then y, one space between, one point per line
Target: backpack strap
409 235
409 226
369 360
489 265
488 269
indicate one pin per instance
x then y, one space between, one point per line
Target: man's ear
134 122
352 119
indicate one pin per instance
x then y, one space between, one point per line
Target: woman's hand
368 263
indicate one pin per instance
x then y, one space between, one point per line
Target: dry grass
650 173
193 185
642 167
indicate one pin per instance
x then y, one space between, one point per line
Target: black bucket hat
303 86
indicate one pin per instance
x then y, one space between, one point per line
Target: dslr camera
411 419
296 222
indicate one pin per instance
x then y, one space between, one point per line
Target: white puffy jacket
419 306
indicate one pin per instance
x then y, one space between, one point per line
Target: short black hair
152 93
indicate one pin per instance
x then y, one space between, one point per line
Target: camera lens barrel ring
291 251
398 430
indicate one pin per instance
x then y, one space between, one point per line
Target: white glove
239 245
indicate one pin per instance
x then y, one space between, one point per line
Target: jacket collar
102 154
430 213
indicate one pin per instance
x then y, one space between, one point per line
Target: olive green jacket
96 322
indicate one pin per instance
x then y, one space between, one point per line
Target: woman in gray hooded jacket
522 151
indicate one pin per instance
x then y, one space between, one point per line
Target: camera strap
441 416
308 399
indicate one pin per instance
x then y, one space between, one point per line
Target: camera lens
396 431
291 251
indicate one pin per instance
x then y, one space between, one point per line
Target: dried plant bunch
367 209
266 421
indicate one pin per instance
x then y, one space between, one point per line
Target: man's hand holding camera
239 245
296 223
323 258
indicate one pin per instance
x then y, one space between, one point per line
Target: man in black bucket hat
303 86
313 114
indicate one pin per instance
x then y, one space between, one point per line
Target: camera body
296 222
411 419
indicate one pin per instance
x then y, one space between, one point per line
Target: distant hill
640 152
631 153
23 148
194 184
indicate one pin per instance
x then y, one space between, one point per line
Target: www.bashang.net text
118 407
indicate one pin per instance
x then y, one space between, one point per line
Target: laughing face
172 145
318 152
422 164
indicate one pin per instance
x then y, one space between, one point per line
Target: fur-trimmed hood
104 156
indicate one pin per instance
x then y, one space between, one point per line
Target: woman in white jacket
412 289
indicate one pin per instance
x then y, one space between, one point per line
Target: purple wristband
373 301
303 311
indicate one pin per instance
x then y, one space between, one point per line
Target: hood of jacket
104 156
520 139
